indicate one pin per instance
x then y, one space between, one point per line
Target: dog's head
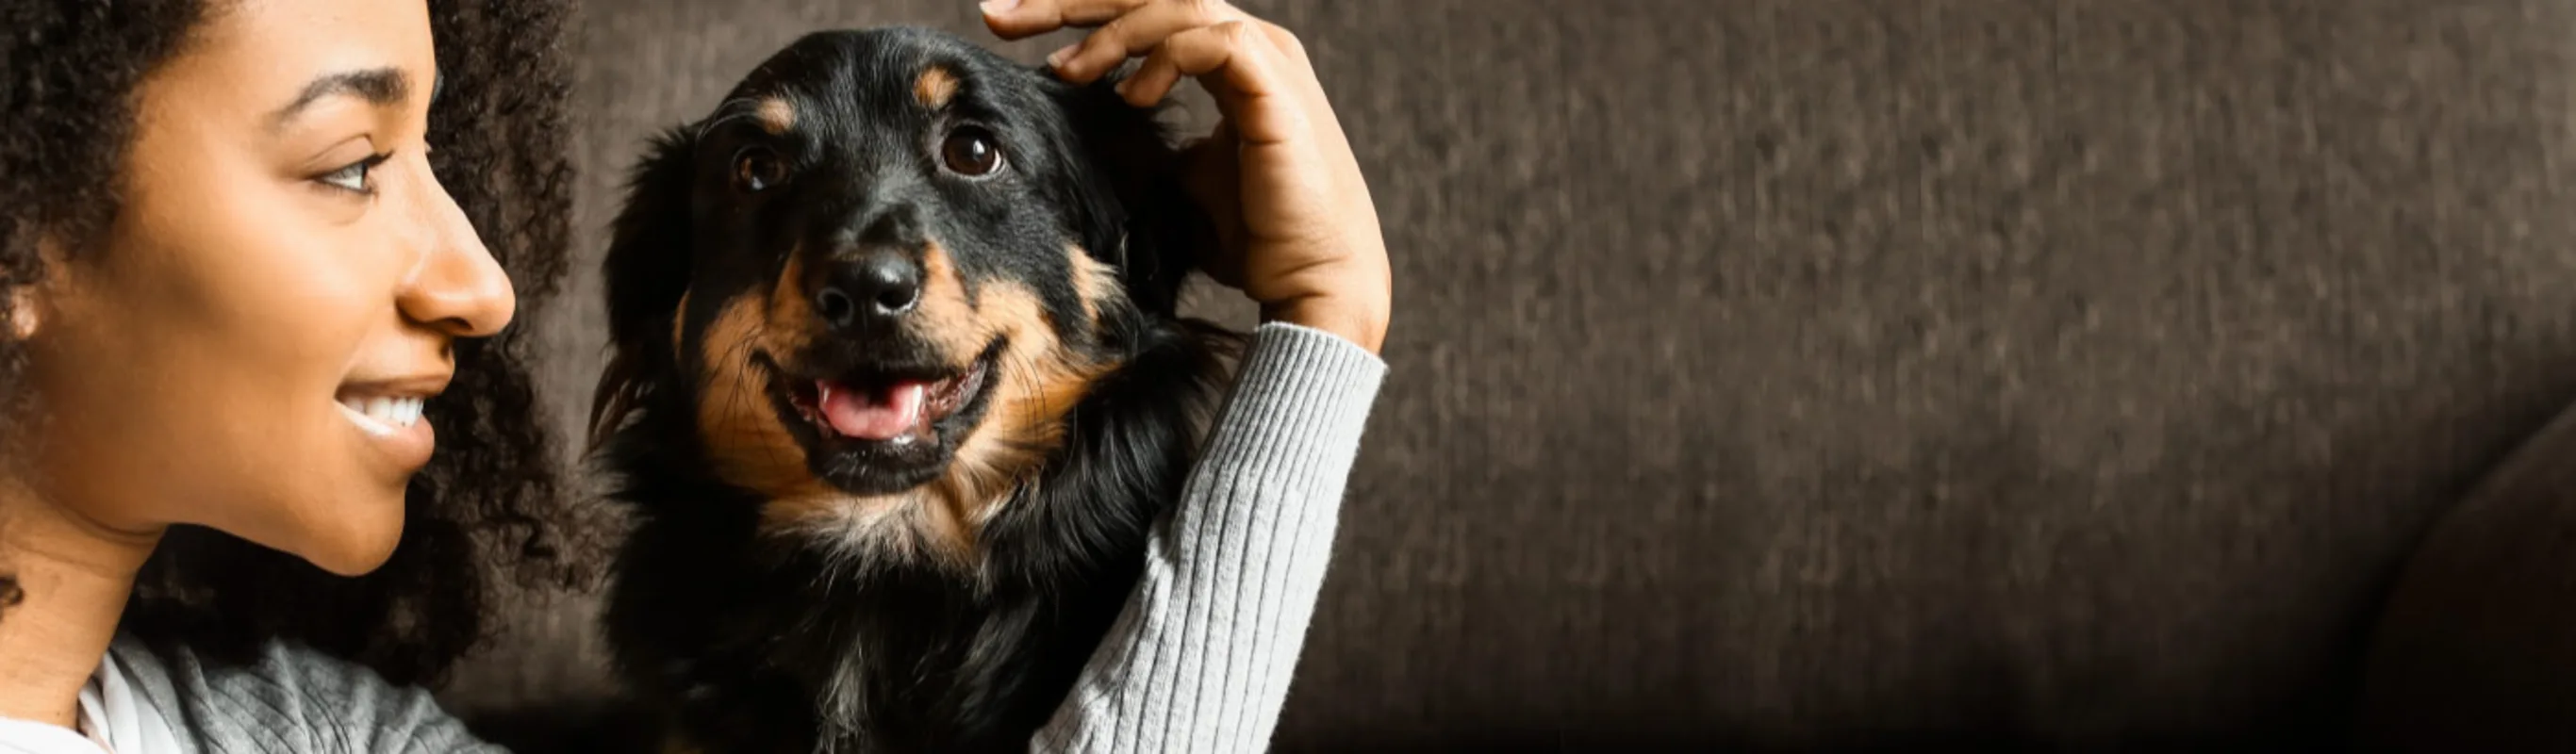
878 277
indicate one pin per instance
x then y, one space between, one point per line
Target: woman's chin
353 563
358 548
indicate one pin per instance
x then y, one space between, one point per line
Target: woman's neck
74 576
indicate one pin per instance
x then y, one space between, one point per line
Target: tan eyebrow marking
935 88
775 116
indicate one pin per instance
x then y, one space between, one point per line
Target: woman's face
248 348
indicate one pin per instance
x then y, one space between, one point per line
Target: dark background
1853 372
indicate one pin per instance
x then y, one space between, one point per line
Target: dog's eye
757 169
971 152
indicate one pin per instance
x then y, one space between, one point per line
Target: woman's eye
971 152
757 169
353 178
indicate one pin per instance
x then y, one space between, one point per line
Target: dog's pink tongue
872 417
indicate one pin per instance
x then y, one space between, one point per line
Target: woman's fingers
1015 19
1152 79
1127 28
1239 65
1136 33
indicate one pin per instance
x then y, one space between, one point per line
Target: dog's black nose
877 284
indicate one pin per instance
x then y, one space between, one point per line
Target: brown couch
1823 374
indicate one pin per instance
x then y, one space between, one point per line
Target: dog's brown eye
971 152
757 169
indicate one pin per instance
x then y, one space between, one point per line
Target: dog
898 387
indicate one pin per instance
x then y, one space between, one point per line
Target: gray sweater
1198 662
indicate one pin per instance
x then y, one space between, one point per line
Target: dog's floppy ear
647 271
1145 221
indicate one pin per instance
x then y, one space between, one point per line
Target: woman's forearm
1200 659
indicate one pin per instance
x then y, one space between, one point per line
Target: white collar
114 718
117 715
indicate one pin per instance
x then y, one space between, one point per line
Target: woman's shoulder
288 697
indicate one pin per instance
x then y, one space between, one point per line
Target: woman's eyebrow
380 86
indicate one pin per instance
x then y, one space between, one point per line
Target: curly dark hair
488 505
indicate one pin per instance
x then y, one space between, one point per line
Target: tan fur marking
944 317
841 516
1094 282
1024 422
792 322
775 116
743 436
935 88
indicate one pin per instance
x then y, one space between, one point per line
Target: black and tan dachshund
898 386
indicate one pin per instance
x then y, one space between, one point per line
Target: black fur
745 640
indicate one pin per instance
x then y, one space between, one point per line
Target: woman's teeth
382 416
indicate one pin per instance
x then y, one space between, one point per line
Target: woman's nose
458 288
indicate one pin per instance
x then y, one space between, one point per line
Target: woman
240 291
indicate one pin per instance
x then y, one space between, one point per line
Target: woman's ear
24 301
26 312
647 271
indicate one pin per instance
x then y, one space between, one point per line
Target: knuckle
1235 33
1285 39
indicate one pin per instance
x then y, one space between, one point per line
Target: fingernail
999 7
1058 57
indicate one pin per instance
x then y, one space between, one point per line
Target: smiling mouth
880 405
884 410
382 415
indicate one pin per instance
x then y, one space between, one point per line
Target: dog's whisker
731 110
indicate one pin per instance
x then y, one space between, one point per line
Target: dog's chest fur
767 646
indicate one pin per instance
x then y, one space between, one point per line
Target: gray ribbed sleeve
1200 659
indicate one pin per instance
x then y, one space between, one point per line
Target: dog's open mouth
876 426
880 402
885 408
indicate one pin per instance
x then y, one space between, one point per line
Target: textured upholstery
1798 373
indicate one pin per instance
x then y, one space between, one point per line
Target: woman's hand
1300 235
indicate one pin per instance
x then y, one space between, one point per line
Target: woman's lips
383 416
392 423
